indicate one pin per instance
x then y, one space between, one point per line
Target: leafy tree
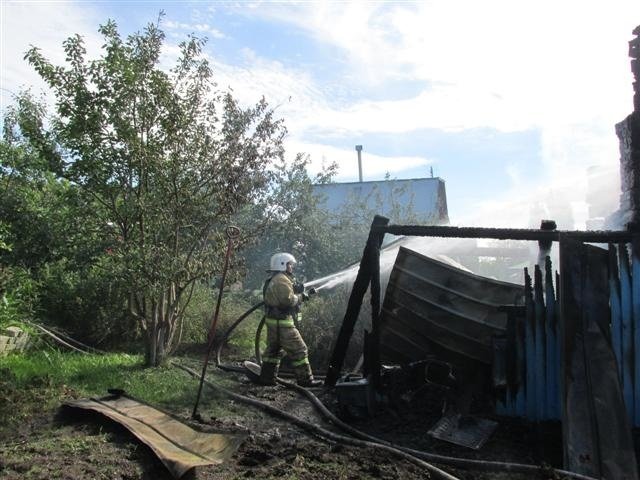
350 225
322 241
5 272
165 159
56 258
293 221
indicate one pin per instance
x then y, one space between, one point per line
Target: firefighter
282 299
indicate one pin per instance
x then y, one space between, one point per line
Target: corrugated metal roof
177 445
426 196
431 307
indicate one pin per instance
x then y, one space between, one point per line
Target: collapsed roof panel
431 307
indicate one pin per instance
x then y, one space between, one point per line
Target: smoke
587 199
436 248
582 199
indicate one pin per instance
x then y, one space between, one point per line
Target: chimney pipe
359 150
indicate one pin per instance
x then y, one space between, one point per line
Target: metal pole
359 150
232 233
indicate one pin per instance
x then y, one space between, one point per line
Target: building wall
425 197
628 132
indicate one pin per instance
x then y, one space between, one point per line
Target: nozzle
312 291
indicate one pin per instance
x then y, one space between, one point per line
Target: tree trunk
158 334
151 358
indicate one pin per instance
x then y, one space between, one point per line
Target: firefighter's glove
298 288
308 294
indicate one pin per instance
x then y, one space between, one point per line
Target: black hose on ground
435 472
483 465
463 463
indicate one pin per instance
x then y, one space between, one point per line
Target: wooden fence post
358 290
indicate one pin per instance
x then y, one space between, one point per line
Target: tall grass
42 380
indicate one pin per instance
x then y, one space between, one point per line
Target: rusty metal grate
463 430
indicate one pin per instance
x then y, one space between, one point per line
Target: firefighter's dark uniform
281 304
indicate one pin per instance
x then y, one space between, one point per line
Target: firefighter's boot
268 374
304 377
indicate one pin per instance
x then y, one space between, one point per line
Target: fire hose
369 440
323 433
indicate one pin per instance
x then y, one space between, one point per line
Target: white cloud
443 107
497 64
560 68
570 199
374 167
568 55
200 28
44 25
291 91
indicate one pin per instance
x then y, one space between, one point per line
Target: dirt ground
58 445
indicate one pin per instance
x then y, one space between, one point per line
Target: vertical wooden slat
513 377
512 359
553 361
635 296
614 302
540 344
560 343
502 361
521 403
530 349
514 403
597 433
631 395
616 324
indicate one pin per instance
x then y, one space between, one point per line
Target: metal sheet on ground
467 431
178 446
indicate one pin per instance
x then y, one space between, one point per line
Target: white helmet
279 261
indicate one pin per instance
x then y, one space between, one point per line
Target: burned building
628 132
565 346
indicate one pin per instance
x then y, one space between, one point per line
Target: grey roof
426 196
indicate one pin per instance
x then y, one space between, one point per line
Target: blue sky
509 102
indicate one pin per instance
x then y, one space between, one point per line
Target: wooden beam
358 290
508 233
375 308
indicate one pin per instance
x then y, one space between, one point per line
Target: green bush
18 298
199 314
90 304
243 337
